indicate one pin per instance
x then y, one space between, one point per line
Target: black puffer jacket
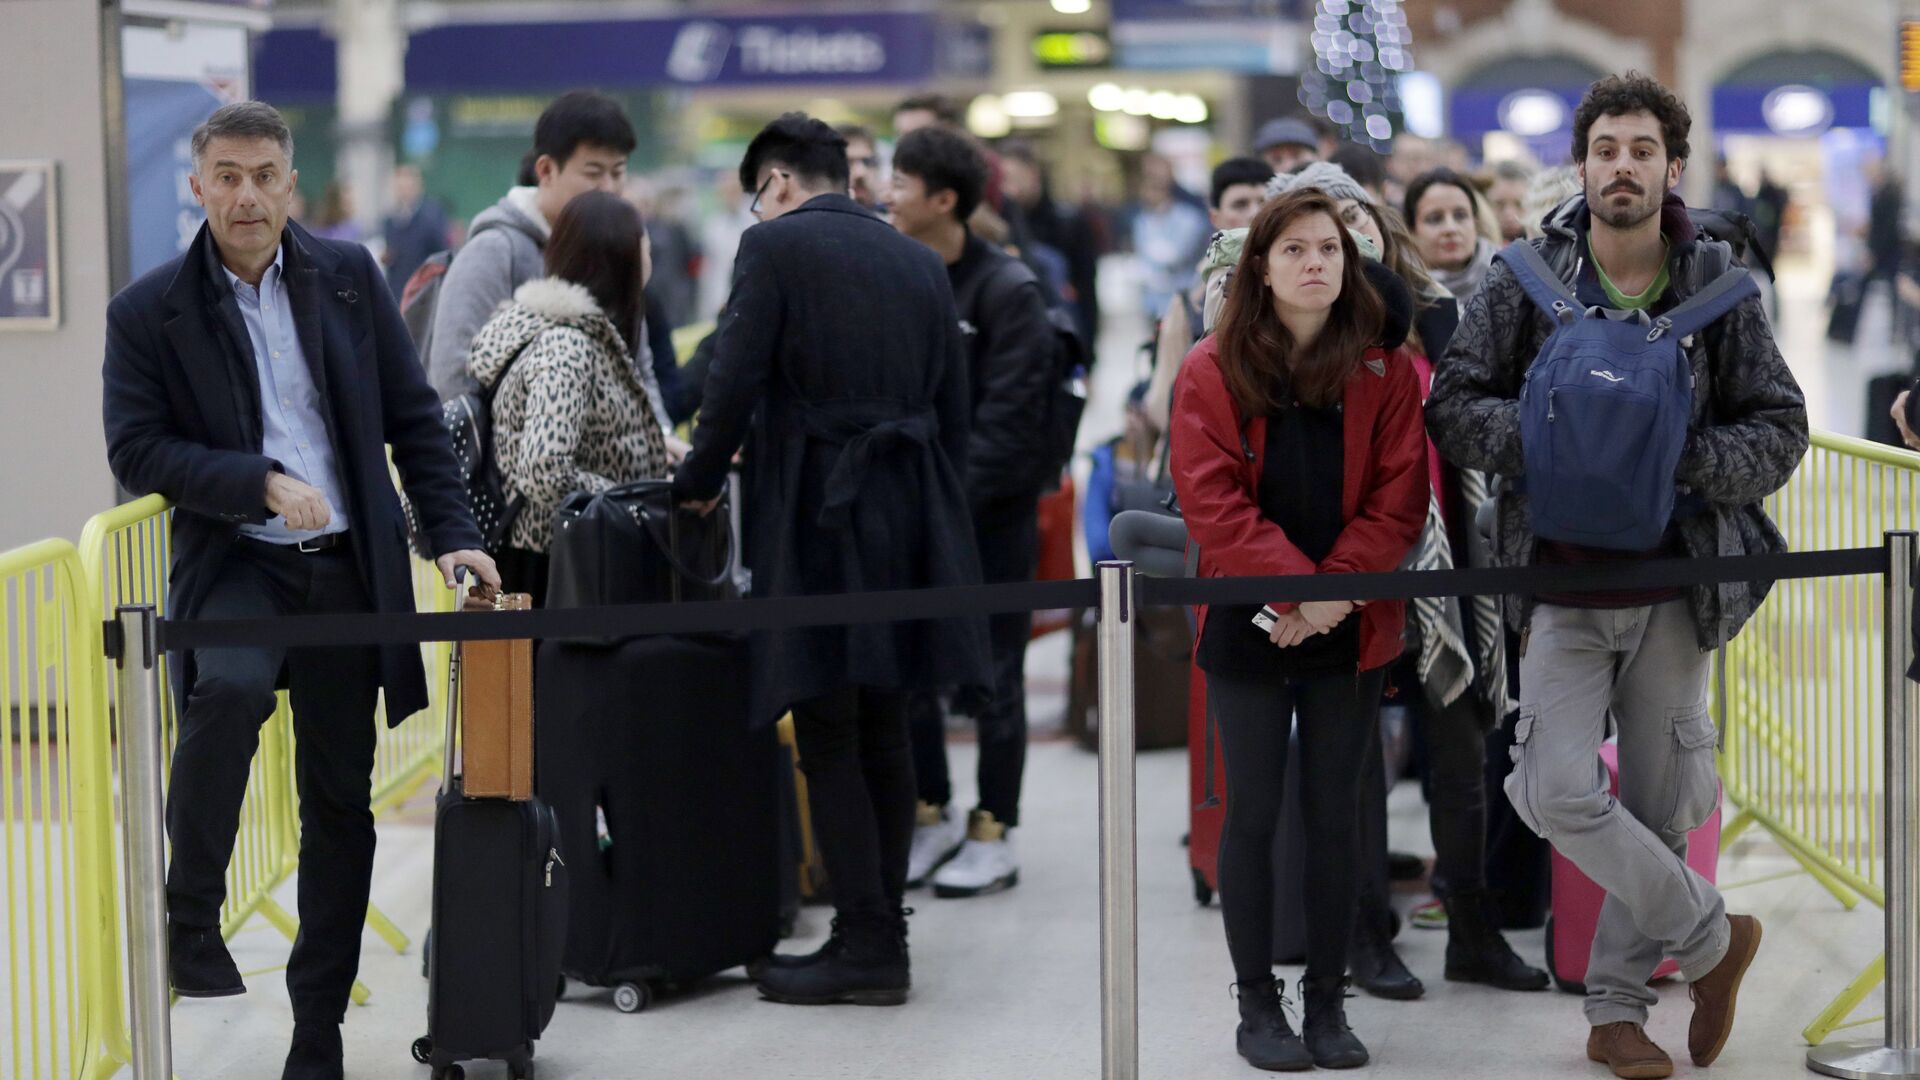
1010 363
1749 426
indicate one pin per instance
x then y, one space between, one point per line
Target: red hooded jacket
1218 455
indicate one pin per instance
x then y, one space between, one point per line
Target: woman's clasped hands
1309 619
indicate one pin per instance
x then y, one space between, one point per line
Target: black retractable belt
792 612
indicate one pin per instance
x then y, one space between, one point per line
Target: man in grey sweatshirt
581 143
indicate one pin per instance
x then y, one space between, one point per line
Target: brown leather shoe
1625 1048
1714 993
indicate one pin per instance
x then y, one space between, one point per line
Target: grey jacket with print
1749 426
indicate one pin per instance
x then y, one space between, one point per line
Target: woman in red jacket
1298 448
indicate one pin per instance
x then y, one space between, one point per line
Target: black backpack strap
1703 308
1540 283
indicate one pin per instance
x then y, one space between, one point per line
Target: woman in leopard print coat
570 412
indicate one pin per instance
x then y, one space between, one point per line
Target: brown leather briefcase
496 713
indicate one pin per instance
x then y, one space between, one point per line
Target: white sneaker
937 837
985 865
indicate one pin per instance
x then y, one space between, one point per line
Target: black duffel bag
630 545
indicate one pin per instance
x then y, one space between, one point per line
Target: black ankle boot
1265 1038
836 940
870 968
1477 953
200 964
1331 1042
316 1052
1376 967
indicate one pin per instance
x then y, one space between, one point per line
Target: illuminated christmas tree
1360 49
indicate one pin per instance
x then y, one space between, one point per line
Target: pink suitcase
1576 899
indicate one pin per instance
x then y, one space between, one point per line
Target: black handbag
631 545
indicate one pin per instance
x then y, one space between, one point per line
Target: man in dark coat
837 363
256 382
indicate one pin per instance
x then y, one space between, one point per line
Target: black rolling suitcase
658 778
499 923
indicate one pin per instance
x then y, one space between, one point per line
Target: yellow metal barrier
128 554
1802 705
59 939
409 755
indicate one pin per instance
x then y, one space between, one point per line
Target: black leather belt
320 544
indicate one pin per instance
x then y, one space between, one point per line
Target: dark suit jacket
182 405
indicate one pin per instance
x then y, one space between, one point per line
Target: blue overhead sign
782 50
295 64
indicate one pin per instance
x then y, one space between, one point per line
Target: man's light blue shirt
293 422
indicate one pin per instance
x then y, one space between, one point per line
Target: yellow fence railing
127 552
61 994
1803 707
409 755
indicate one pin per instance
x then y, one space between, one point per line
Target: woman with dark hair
1455 230
570 413
1298 448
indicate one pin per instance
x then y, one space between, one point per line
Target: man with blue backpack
1621 377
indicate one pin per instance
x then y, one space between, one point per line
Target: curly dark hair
1619 95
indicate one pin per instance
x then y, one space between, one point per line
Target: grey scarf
1465 282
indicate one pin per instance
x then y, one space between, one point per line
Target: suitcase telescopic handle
453 698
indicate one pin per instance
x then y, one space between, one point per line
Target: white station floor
1008 986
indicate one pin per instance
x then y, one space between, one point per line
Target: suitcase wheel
1202 892
632 997
423 1050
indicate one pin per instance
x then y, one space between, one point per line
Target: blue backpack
1606 406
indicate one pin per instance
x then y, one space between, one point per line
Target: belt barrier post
1898 1054
1119 915
137 663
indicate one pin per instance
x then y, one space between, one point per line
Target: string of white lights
1360 49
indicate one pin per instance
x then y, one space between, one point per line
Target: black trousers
333 693
1008 534
853 748
1455 744
1339 720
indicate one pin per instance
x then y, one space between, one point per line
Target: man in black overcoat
838 365
257 382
